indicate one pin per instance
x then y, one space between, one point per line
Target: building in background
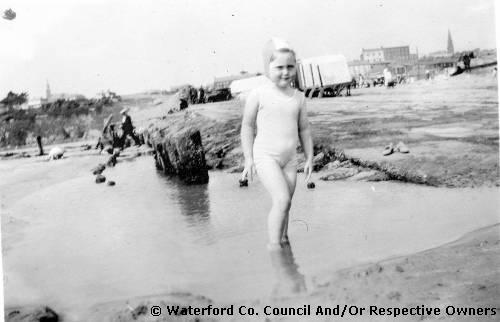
372 55
396 54
363 67
397 59
386 54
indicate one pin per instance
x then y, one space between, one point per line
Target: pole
39 142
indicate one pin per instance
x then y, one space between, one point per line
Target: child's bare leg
284 234
274 180
290 172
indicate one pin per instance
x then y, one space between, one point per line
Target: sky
130 46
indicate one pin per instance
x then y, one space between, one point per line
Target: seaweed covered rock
181 153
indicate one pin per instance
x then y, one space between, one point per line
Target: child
279 112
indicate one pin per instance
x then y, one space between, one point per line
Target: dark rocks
99 169
311 185
333 165
31 314
324 155
109 149
111 161
85 147
318 161
111 183
100 178
236 169
138 311
182 154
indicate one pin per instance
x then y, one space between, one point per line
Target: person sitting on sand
128 128
279 111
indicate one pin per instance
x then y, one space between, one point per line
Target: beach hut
323 75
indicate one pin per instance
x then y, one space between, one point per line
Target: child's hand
308 167
249 171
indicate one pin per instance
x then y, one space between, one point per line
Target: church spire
451 50
47 92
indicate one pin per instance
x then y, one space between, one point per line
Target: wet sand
464 274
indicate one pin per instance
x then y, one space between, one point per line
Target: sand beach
417 230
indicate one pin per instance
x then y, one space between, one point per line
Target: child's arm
306 140
247 133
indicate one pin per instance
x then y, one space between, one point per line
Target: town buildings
402 62
384 54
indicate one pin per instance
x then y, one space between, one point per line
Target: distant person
128 128
193 95
279 111
466 60
201 95
361 80
388 82
99 145
351 85
104 133
183 98
113 137
183 104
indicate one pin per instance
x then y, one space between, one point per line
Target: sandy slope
462 274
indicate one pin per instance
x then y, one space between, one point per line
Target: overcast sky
85 46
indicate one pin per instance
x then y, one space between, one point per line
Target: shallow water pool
73 244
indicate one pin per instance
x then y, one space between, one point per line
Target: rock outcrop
181 153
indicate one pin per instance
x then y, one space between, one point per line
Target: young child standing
279 111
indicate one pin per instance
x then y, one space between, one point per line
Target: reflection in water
194 204
288 278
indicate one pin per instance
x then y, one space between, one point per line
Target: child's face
282 69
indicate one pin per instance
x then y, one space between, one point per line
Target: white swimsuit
277 126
